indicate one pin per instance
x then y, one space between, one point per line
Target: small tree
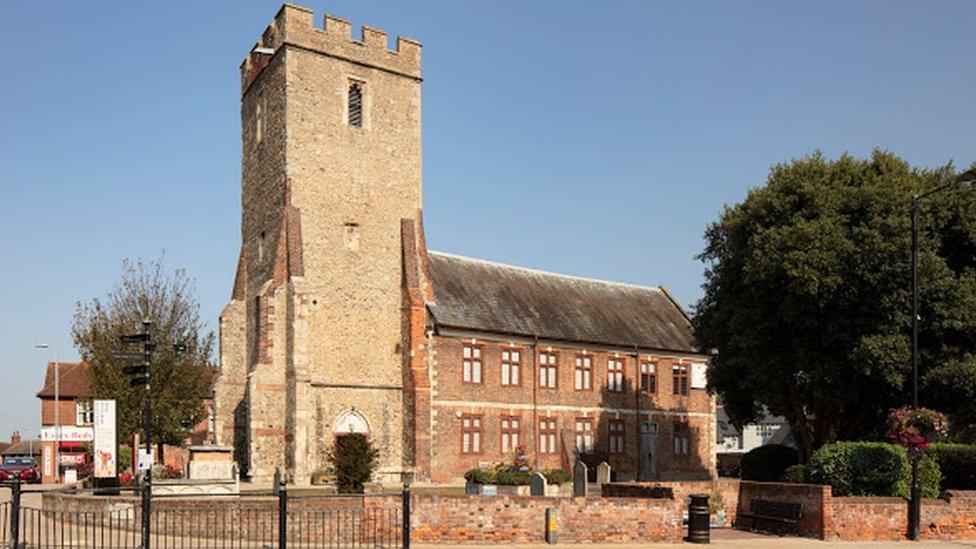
180 380
354 460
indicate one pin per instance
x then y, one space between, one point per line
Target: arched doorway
350 422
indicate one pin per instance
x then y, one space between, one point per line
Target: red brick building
566 367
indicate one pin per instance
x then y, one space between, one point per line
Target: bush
354 460
957 463
930 477
795 474
557 476
767 463
508 477
480 476
869 469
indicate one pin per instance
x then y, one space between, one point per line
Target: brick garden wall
521 519
952 517
726 489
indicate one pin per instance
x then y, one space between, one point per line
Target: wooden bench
771 516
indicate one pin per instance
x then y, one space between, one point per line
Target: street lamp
915 506
57 409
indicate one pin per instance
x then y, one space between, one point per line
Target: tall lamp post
915 505
57 409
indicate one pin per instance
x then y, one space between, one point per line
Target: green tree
354 459
180 380
807 297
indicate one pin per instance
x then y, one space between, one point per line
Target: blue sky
595 139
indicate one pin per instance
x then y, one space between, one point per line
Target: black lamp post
915 506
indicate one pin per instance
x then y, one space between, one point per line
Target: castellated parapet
294 26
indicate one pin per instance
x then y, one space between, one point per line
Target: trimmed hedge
509 477
957 463
557 476
870 469
795 474
767 463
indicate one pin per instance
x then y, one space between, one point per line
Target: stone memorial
579 479
538 485
603 473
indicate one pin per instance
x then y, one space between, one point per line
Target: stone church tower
314 342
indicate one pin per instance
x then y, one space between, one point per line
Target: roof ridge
550 273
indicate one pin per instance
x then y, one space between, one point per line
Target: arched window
356 104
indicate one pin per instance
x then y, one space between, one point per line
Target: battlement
294 26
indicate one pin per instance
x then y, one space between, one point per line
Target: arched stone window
350 422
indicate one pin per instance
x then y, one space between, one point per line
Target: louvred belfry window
356 104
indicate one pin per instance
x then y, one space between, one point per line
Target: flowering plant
916 428
521 463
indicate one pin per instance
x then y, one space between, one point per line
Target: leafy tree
807 298
181 380
354 459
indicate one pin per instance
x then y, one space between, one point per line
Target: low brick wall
521 519
952 517
726 489
811 497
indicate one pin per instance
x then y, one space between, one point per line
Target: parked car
22 468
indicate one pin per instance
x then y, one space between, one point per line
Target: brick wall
723 492
953 517
520 519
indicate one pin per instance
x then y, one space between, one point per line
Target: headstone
579 479
603 473
538 485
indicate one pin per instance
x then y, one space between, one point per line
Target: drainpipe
534 380
639 445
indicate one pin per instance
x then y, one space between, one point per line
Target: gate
175 522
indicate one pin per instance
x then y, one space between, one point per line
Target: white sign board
105 446
69 433
699 378
145 460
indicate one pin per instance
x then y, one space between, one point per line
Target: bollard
15 513
698 519
552 525
406 515
282 515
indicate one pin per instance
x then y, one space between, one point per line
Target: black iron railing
306 521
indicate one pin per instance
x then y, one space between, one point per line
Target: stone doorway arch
350 422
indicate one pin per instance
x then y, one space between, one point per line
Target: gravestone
603 473
538 485
579 479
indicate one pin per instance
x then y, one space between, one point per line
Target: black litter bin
698 519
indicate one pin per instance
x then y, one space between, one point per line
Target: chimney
15 438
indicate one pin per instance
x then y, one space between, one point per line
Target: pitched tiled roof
23 448
480 295
72 382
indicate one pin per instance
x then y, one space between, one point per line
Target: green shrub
795 474
480 476
767 463
508 477
869 469
957 463
354 460
557 476
930 477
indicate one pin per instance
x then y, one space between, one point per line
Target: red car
21 468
